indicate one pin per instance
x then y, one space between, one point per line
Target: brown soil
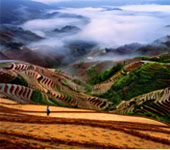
27 126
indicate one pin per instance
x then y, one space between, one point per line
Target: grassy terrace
101 77
19 80
152 110
65 93
38 98
147 78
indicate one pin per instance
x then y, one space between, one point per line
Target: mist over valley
84 74
71 33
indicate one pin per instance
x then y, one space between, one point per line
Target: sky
57 1
103 2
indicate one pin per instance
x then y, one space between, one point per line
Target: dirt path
75 128
39 110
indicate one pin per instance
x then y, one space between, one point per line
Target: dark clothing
48 111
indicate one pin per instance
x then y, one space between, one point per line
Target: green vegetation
164 58
110 107
5 64
77 81
17 63
112 96
150 103
57 70
37 97
31 66
143 57
147 78
57 103
158 113
19 80
91 71
65 93
66 83
105 75
58 88
88 89
76 106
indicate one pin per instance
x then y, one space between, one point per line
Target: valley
101 67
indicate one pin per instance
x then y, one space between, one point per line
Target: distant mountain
22 35
14 48
112 9
92 63
15 38
164 41
80 48
125 49
18 11
67 29
8 40
26 54
64 15
158 47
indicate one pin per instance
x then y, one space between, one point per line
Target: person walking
48 110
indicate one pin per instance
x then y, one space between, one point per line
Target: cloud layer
97 3
109 27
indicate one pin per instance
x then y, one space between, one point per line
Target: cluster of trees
147 78
101 77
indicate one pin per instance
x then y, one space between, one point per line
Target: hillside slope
129 85
113 90
27 83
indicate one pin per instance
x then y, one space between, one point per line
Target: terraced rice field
27 126
31 84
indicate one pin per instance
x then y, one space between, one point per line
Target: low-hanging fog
106 26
